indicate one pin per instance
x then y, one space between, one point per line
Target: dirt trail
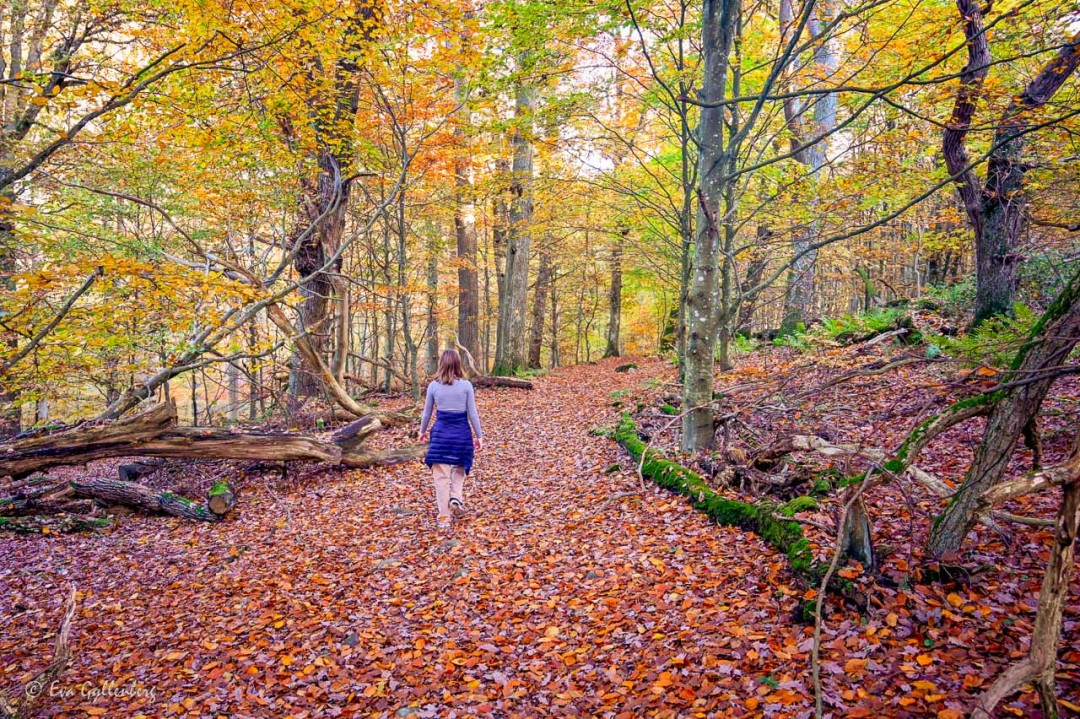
337 596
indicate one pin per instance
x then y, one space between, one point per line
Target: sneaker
444 523
457 507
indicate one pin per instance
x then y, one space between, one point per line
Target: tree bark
615 296
465 232
996 211
703 295
515 351
539 309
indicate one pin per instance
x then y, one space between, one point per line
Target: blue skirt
451 441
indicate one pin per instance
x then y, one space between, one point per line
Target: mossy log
758 517
142 498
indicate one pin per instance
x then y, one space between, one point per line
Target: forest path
337 596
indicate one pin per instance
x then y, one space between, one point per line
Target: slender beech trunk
499 232
431 359
615 297
703 298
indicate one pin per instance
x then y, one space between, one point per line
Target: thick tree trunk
703 295
515 350
1048 347
328 200
465 232
539 310
996 211
615 296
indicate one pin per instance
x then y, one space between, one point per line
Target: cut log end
221 499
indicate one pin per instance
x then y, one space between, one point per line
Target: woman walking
450 454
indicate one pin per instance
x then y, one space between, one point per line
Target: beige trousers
449 484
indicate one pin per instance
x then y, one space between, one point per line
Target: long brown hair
449 367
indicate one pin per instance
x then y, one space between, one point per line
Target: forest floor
332 593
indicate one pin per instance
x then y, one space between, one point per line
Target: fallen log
145 499
507 382
27 453
359 460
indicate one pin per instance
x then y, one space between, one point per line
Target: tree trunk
10 414
799 297
465 231
328 199
755 270
515 351
615 297
996 211
499 233
431 361
718 20
539 308
1048 347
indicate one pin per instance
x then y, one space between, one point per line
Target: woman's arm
429 404
474 416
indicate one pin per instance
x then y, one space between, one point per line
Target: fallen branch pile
153 433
